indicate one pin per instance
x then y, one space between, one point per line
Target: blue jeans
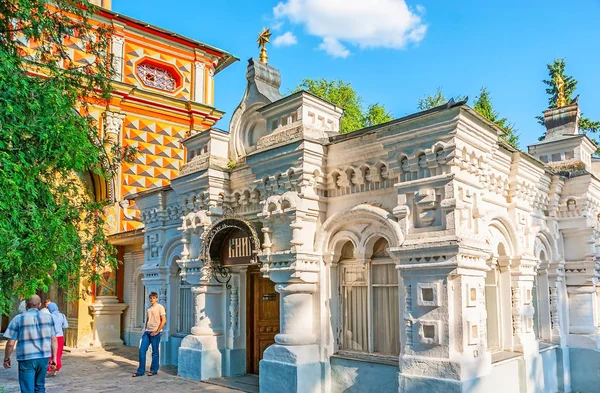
32 375
148 340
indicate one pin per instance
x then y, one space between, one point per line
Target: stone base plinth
235 362
199 358
290 369
107 320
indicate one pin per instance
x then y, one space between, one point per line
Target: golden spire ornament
263 40
560 86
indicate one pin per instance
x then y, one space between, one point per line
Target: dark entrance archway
232 244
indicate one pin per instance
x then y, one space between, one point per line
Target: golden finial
560 86
263 40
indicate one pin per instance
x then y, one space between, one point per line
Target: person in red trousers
60 323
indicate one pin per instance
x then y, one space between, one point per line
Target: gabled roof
367 130
226 58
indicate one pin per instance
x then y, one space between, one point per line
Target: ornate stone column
444 318
295 353
107 310
522 276
296 313
201 352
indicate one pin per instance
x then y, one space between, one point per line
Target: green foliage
344 96
429 101
376 114
51 230
557 67
483 106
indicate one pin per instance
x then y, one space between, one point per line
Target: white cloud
334 48
277 25
366 24
286 39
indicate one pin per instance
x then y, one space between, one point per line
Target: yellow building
163 90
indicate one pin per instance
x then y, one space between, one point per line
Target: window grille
185 320
156 77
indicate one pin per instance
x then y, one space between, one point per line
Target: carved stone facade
425 248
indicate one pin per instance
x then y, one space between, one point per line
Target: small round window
156 77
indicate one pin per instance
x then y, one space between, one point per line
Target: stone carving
554 322
113 124
426 205
408 316
117 57
230 222
233 315
516 310
198 163
153 244
482 315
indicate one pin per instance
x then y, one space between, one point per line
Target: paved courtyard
108 371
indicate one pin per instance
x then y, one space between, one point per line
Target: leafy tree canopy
557 68
342 94
50 227
483 106
429 101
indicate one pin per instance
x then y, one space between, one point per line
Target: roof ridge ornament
263 40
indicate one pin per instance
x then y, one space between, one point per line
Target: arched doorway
231 247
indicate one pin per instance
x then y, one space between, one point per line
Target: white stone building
419 255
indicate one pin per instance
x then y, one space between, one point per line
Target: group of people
38 336
39 340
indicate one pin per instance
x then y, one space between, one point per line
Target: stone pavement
107 371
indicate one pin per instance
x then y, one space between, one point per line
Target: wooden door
263 318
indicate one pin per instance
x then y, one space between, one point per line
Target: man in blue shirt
35 338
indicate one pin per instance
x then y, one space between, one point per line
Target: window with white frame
369 302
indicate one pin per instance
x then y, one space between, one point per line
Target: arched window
384 280
369 302
497 302
541 299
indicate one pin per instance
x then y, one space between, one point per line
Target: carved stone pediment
294 131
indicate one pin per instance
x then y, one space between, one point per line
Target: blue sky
396 54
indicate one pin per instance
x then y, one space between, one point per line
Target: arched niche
231 241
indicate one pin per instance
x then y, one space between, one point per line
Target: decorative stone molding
199 82
113 125
428 294
294 131
429 332
408 319
234 317
117 44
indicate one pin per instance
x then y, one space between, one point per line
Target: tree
429 101
483 106
51 229
555 69
342 94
